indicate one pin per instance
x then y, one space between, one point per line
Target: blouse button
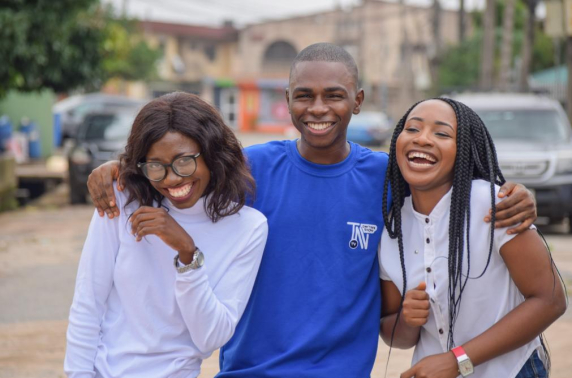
441 331
428 270
426 220
427 240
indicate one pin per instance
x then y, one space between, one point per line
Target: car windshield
109 126
533 125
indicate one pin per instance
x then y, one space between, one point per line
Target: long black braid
476 159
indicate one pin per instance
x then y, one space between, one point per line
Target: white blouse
133 315
485 300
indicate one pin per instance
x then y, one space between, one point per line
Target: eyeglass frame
142 164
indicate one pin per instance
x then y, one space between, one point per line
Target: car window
109 126
533 125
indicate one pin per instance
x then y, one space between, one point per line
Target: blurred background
75 72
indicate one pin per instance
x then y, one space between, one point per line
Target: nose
423 138
318 107
172 178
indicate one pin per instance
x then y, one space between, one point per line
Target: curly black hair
231 182
476 159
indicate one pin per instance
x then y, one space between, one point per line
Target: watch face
200 259
465 367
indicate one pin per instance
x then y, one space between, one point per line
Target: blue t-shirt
316 304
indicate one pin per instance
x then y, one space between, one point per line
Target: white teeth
180 192
421 155
319 126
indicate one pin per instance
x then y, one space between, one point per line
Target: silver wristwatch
197 262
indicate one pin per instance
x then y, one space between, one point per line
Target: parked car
101 137
370 128
533 139
72 110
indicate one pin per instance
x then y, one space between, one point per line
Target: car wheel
77 195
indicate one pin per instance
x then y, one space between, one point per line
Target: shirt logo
360 234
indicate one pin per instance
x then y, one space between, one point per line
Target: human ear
358 101
287 93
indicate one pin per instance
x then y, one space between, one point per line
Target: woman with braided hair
472 299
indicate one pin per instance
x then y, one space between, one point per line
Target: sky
241 12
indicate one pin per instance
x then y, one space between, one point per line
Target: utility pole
435 56
462 25
488 48
569 67
506 47
528 44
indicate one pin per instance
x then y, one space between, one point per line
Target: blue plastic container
5 132
33 135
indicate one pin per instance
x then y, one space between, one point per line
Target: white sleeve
500 235
93 284
211 315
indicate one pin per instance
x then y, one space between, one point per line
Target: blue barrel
33 135
5 132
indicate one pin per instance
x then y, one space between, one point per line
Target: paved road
39 251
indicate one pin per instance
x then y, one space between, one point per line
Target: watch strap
458 352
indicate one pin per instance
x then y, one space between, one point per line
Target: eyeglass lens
183 166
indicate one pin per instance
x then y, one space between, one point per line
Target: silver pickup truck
533 139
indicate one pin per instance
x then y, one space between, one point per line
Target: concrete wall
38 107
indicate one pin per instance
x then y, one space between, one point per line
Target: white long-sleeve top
134 315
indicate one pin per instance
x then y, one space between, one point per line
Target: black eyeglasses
183 166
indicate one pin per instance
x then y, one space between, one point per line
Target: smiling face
183 192
427 147
322 96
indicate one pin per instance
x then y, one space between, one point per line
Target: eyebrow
174 157
440 123
328 89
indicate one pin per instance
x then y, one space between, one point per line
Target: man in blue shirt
316 304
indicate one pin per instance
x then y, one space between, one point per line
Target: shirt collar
438 211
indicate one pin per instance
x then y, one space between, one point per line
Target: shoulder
249 217
481 192
376 160
121 198
266 150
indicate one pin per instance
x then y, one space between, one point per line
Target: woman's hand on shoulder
443 365
157 221
517 211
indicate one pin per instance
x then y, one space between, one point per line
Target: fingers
142 215
416 306
410 373
100 186
525 225
507 189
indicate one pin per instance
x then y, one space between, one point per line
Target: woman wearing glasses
163 285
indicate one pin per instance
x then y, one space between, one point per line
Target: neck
324 156
424 201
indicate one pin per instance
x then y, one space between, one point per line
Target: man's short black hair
326 52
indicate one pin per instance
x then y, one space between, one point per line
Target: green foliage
68 44
126 54
461 63
49 44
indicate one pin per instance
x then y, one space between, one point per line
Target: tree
49 44
68 44
488 47
506 46
460 64
126 55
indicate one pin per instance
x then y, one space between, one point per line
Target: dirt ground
40 248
